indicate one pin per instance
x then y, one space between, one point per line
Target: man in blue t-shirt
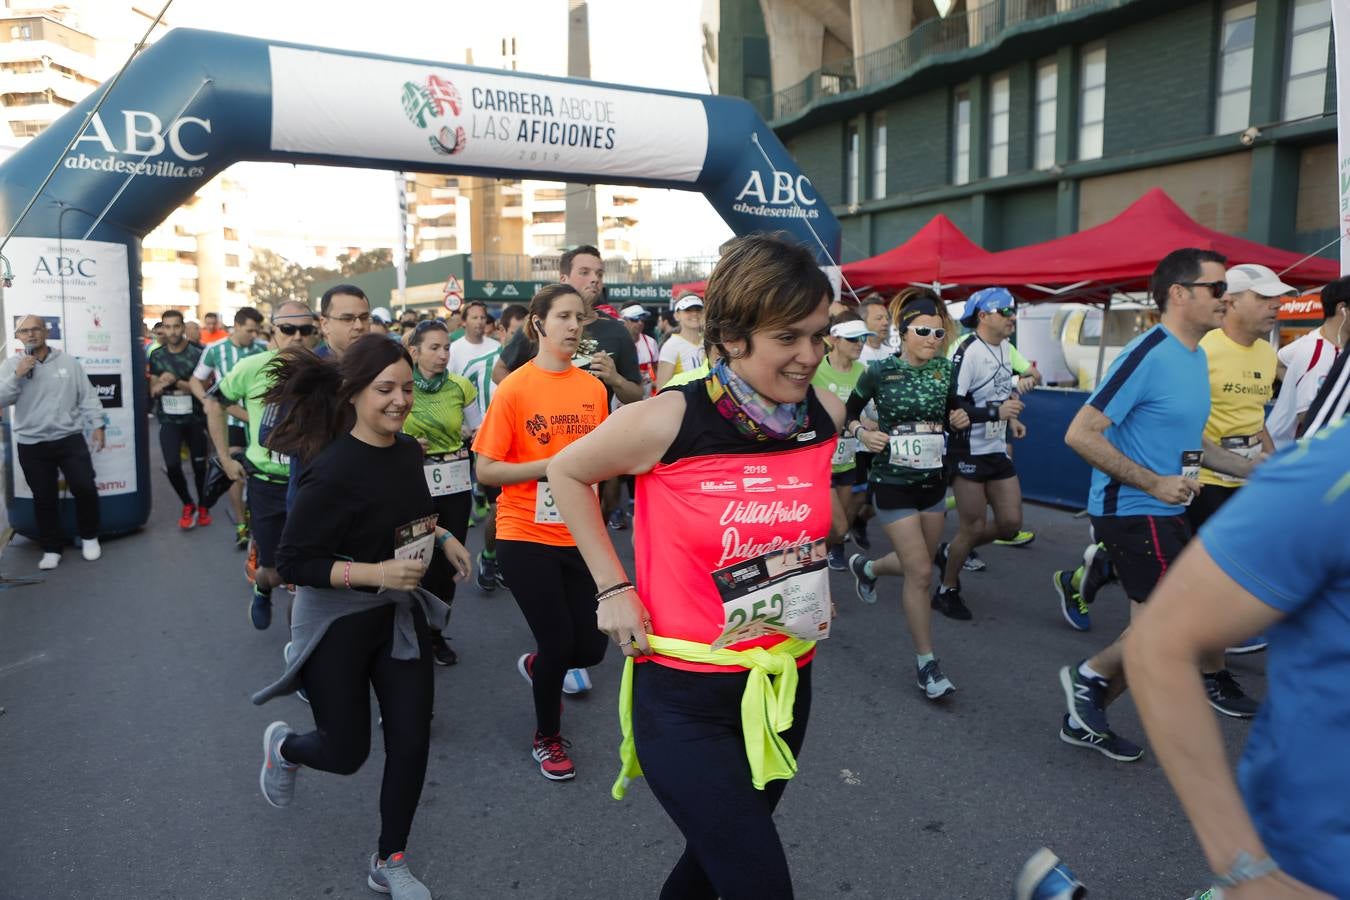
1273 561
1142 431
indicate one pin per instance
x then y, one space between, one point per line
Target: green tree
275 280
369 261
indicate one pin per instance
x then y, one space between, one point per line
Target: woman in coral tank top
732 586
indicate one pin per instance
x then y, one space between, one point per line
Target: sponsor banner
522 291
1304 307
1340 23
341 105
140 143
80 288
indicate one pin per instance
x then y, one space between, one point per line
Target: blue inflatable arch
197 101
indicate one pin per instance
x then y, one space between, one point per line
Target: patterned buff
428 385
753 415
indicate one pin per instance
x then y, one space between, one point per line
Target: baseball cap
381 314
851 330
987 300
689 301
1252 277
634 312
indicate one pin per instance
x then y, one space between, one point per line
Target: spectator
211 330
510 321
193 332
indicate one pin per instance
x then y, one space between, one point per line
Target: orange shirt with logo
533 415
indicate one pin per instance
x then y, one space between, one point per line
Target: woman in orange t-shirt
535 412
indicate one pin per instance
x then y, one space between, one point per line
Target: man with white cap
683 351
1306 362
838 373
634 318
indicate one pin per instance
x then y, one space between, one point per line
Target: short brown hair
542 302
762 281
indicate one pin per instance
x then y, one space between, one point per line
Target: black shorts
1207 503
886 497
982 467
267 516
237 436
1142 548
844 479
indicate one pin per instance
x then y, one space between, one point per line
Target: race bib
444 477
997 430
918 445
546 508
784 591
1190 465
1247 446
415 540
844 451
176 404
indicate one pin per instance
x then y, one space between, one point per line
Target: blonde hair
762 281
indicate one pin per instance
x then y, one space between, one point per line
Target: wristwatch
1246 868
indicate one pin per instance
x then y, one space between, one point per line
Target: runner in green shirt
838 372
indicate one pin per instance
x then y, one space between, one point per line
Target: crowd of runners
770 430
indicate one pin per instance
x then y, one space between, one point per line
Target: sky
655 44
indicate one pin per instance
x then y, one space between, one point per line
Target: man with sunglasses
986 386
216 362
1142 431
266 473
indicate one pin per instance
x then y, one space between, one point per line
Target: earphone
539 327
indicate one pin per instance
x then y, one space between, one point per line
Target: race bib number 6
917 445
448 477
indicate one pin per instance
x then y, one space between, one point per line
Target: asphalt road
130 750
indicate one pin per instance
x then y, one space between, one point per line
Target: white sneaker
50 561
90 548
576 681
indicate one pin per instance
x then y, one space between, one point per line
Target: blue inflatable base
1050 472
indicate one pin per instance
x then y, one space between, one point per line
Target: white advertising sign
1340 23
341 105
80 288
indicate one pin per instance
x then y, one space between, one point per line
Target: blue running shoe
1085 699
866 585
1071 603
260 609
1112 746
1251 645
838 559
1044 877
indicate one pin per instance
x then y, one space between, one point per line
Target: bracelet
347 576
1246 868
381 590
445 536
622 587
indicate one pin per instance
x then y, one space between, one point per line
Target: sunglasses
290 330
925 331
855 340
1007 312
428 323
1217 288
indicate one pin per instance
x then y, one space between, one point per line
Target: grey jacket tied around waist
315 609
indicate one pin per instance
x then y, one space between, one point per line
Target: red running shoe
551 754
186 521
203 516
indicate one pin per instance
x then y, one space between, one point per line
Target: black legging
353 655
172 436
687 731
452 514
556 593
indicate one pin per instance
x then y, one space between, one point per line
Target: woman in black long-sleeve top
356 545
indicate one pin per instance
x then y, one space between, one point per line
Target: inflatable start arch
197 101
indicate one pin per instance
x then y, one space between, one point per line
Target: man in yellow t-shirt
1241 382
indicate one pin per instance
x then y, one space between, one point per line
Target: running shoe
49 561
1085 698
203 516
260 609
1109 744
838 558
864 584
1251 645
487 573
90 549
859 534
973 563
393 877
241 536
525 666
618 520
186 520
1044 877
440 648
948 602
933 683
1097 572
1021 539
286 653
1071 603
950 502
576 681
551 754
277 778
1228 697
940 558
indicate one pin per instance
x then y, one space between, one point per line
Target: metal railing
517 267
933 38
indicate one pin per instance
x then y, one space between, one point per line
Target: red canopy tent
1123 252
923 260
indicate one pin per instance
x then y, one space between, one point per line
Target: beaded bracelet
347 576
622 587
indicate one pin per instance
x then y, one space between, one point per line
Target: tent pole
1101 341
